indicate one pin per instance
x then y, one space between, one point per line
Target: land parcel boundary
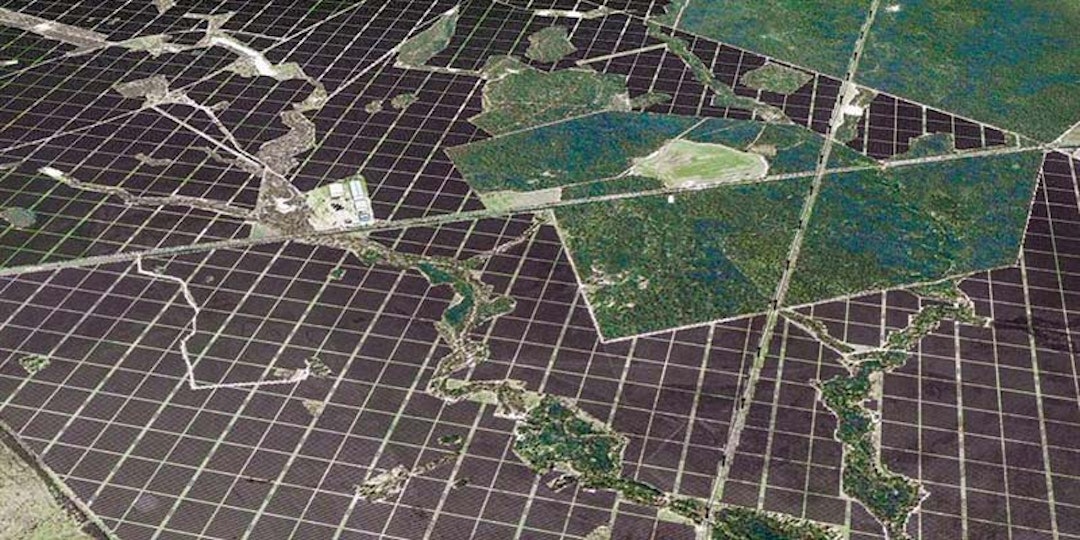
624 152
651 263
879 229
1014 64
816 34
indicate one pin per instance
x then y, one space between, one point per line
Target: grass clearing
788 148
681 163
509 200
1072 137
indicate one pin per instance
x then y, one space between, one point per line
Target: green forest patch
574 151
403 101
419 49
853 108
595 155
877 229
931 144
775 78
735 523
518 96
549 45
1011 64
656 262
816 34
557 436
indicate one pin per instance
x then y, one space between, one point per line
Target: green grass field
683 163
